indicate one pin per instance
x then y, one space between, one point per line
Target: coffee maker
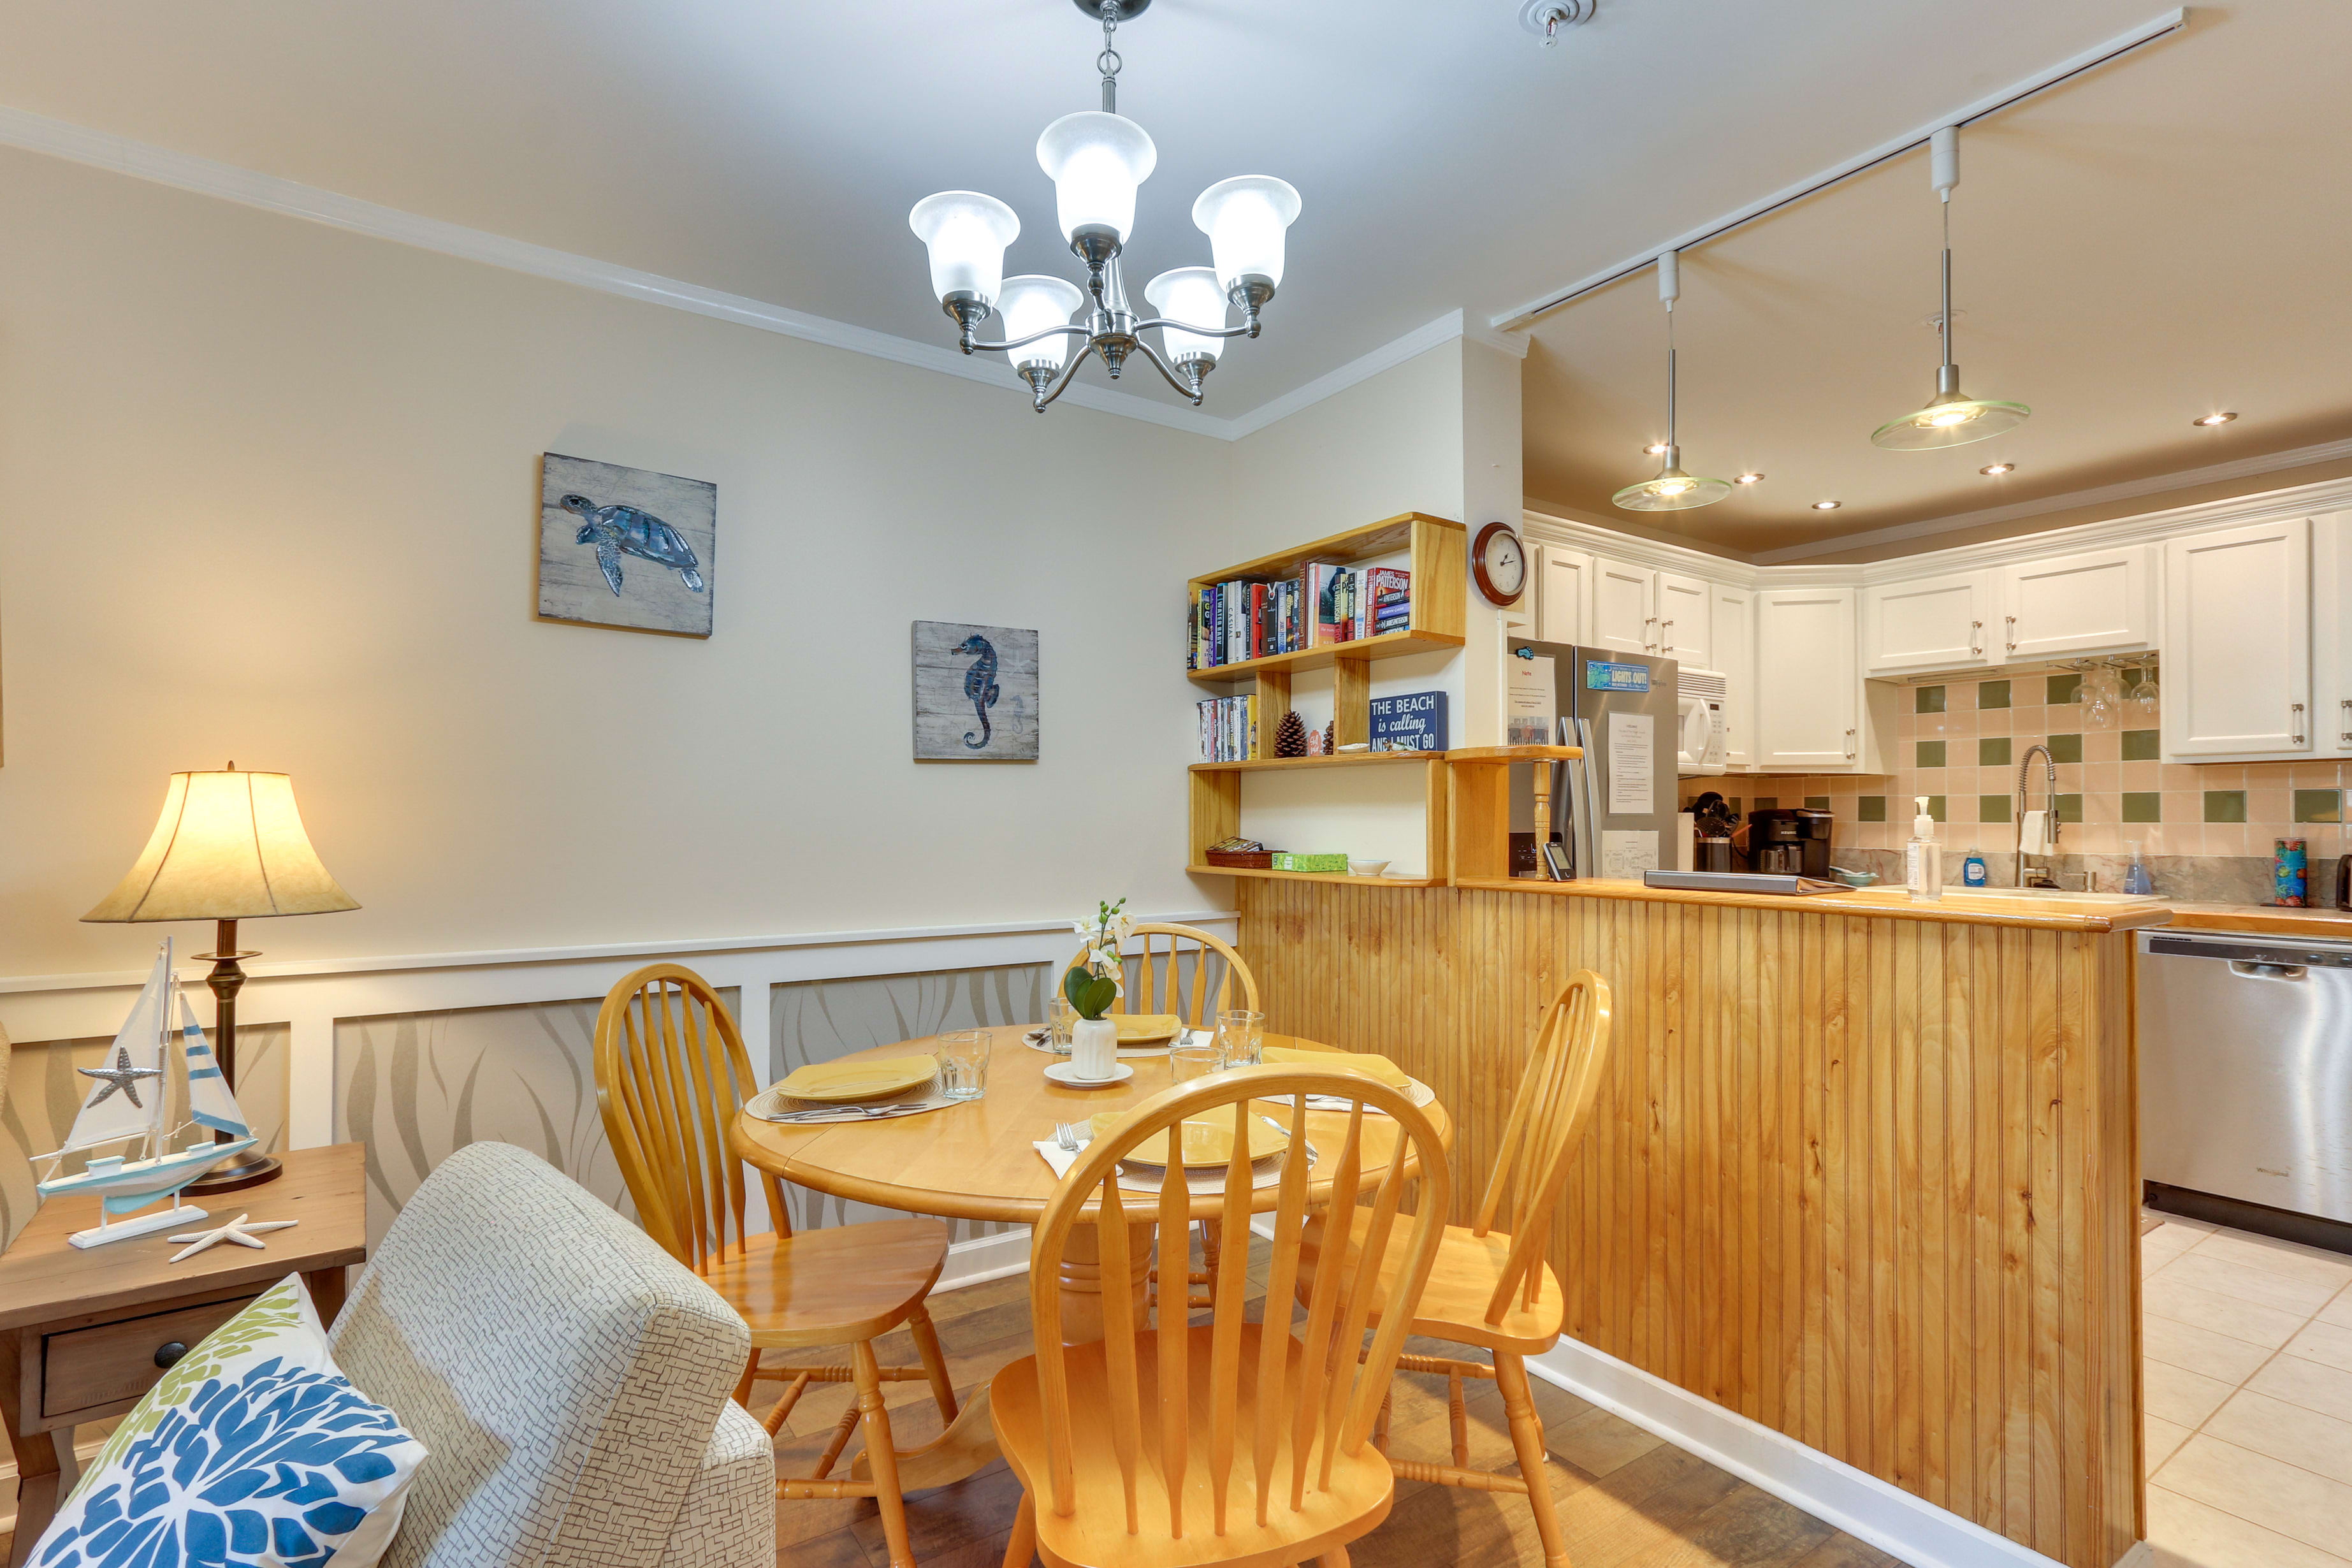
1789 839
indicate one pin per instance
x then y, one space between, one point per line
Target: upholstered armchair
572 1382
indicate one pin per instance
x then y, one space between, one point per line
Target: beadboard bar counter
1863 1171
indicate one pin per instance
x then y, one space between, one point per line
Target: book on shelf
1228 729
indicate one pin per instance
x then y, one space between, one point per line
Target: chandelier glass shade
1673 489
1097 159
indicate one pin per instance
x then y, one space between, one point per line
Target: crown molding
290 198
2128 489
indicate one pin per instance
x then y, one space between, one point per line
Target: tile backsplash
2208 828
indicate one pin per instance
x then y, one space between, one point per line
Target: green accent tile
2065 748
1817 803
1926 699
2064 689
1733 801
1992 752
1992 694
2318 806
2070 808
1936 806
1930 755
2222 806
1992 808
1766 802
1870 809
2143 745
2143 805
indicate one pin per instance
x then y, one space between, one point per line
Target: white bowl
1366 868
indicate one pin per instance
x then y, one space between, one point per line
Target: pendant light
1952 418
1673 489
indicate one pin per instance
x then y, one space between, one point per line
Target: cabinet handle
2012 632
1976 649
1665 643
2297 709
1649 642
168 1355
2344 721
1849 745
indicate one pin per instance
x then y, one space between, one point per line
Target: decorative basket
1243 859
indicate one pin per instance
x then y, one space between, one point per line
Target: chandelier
1095 160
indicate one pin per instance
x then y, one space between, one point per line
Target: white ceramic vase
1094 1048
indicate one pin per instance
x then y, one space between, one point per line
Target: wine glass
2102 698
2144 698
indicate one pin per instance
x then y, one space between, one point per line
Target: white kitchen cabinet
1564 597
1809 696
1732 616
1928 622
2331 634
2236 672
1624 608
1685 619
2095 601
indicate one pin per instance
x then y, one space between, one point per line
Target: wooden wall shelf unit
1217 813
1438 556
1478 808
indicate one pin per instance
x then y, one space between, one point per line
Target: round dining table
979 1161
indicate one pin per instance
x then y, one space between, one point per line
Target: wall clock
1498 561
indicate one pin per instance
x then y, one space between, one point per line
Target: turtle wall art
976 693
626 547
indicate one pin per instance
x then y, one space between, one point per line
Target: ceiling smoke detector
1547 18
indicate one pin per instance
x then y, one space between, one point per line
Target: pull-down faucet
2049 792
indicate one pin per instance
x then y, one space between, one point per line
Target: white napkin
2033 835
1059 1158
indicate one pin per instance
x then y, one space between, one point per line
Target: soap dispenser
1923 857
2135 878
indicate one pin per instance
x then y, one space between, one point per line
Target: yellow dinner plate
857 1081
1146 1029
1208 1141
1360 1062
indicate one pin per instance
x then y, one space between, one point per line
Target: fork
1065 1133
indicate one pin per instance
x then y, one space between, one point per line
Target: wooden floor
1628 1500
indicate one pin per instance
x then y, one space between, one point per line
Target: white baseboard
1833 1491
985 1257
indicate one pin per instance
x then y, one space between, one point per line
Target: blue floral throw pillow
254 1451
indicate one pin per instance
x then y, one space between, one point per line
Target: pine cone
1331 739
1290 738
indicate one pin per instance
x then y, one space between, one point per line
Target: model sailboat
128 1106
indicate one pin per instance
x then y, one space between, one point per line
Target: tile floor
2248 1366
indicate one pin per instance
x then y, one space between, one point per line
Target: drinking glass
1240 1038
963 1063
1187 1061
2102 698
1059 1016
2144 696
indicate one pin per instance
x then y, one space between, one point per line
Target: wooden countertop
2045 913
2263 920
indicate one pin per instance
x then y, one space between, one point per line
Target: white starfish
236 1231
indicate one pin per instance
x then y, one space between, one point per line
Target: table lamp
229 846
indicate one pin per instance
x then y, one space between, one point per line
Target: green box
1283 860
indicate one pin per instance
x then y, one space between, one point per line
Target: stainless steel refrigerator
1614 810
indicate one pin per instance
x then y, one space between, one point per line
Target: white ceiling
1446 161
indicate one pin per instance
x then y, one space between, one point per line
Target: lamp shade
1032 303
1245 218
1672 491
229 845
1950 421
1095 162
1189 294
966 233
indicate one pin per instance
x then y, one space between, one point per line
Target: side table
84 1334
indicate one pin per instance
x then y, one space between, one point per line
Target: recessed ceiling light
1656 450
2221 418
1997 469
1827 505
1746 479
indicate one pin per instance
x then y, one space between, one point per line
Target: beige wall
271 494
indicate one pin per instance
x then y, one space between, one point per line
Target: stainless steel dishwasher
2245 1070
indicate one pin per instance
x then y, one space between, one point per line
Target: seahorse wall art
626 547
976 693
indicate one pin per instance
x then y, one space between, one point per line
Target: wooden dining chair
671 1072
1493 1288
1231 1441
1173 975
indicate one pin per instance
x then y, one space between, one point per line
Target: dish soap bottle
1923 857
1973 870
2137 879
